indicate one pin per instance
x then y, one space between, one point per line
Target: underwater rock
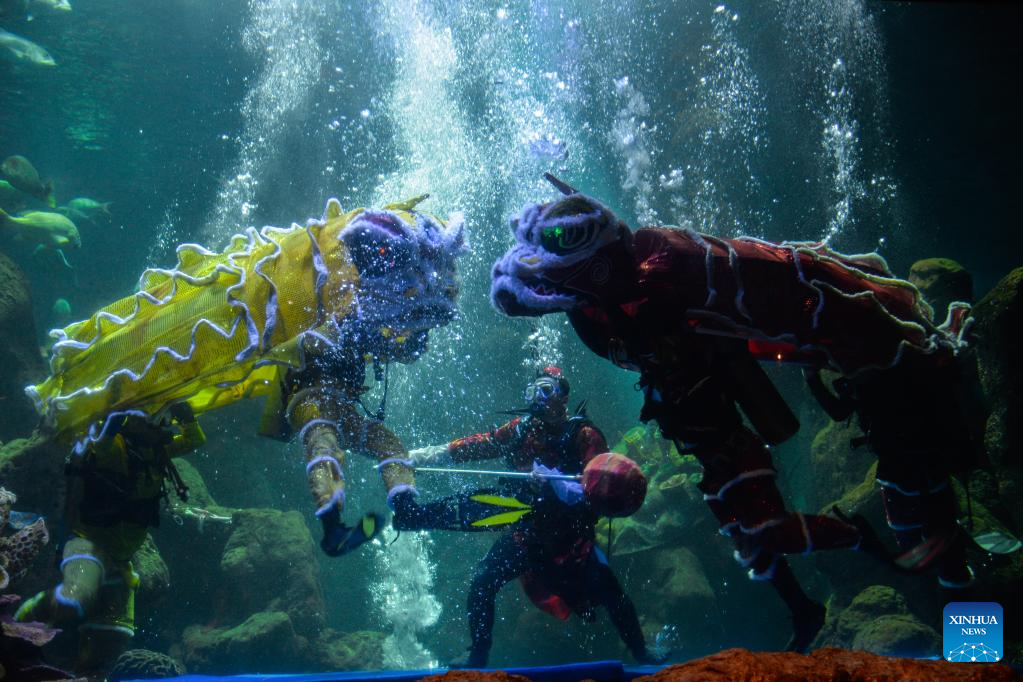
878 620
676 584
475 676
266 642
837 466
998 327
27 462
898 636
154 575
827 665
144 664
941 281
871 603
681 585
270 564
20 361
361 650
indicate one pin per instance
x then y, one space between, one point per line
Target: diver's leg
314 414
107 633
440 514
603 587
505 561
739 488
396 468
922 510
82 571
807 614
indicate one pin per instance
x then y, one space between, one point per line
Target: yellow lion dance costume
290 313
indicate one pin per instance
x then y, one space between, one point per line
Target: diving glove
339 539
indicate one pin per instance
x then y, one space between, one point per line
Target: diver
692 314
553 548
914 419
114 490
324 406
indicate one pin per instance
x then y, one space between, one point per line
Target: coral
143 664
673 503
20 648
941 281
18 550
20 361
265 641
826 665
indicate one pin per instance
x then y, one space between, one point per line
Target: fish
20 172
61 309
88 207
47 230
55 5
24 50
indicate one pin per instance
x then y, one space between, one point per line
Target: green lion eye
554 239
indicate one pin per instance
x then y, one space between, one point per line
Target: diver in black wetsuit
551 549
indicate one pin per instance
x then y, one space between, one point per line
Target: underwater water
888 127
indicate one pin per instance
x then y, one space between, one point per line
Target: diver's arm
191 436
589 443
481 446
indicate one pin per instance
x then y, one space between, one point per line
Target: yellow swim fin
500 501
502 519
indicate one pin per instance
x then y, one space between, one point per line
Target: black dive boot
806 623
338 539
475 657
807 615
410 515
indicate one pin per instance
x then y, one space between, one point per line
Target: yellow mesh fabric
201 332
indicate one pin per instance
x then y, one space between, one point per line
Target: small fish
61 309
75 216
547 146
54 5
20 172
48 230
23 50
88 207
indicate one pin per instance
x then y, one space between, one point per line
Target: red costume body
693 313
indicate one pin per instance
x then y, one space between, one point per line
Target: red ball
614 485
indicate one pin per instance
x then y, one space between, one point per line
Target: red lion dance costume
694 313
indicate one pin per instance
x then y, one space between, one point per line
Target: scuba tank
758 398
